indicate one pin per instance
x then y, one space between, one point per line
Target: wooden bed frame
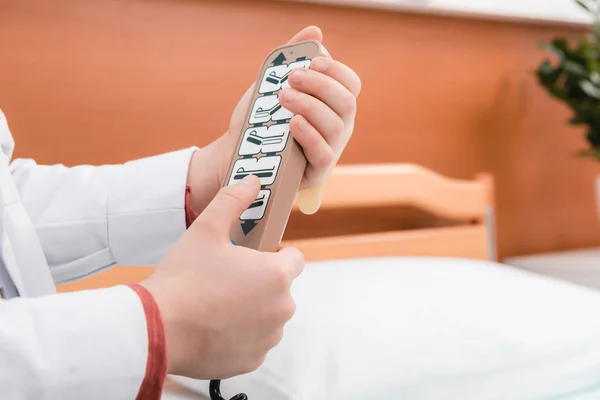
377 185
470 202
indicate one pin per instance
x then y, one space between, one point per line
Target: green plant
575 78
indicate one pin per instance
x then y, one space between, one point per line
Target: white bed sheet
428 329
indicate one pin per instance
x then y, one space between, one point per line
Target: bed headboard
379 185
382 185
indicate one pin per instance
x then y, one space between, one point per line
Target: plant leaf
583 5
597 30
560 44
577 120
575 68
558 51
590 89
549 46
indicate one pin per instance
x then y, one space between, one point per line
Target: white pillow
429 329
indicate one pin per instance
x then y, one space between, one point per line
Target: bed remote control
267 149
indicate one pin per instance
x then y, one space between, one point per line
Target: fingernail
320 64
298 76
249 180
302 123
288 95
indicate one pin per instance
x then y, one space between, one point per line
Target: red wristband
156 365
190 214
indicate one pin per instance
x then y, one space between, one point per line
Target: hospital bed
417 313
465 205
424 313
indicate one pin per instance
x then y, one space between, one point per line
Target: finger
310 198
338 71
317 151
324 119
292 259
228 205
325 88
309 33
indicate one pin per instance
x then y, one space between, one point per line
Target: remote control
267 149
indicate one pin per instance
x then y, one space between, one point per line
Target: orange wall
100 82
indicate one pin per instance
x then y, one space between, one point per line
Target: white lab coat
60 224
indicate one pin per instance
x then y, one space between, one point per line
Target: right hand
223 306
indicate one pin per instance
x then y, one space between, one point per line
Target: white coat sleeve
90 218
72 346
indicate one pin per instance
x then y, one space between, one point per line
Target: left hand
324 101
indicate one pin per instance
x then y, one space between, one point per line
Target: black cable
215 392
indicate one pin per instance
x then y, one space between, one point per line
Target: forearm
89 218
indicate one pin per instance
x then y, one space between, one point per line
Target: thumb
228 205
309 199
309 33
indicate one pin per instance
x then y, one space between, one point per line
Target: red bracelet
156 365
190 214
